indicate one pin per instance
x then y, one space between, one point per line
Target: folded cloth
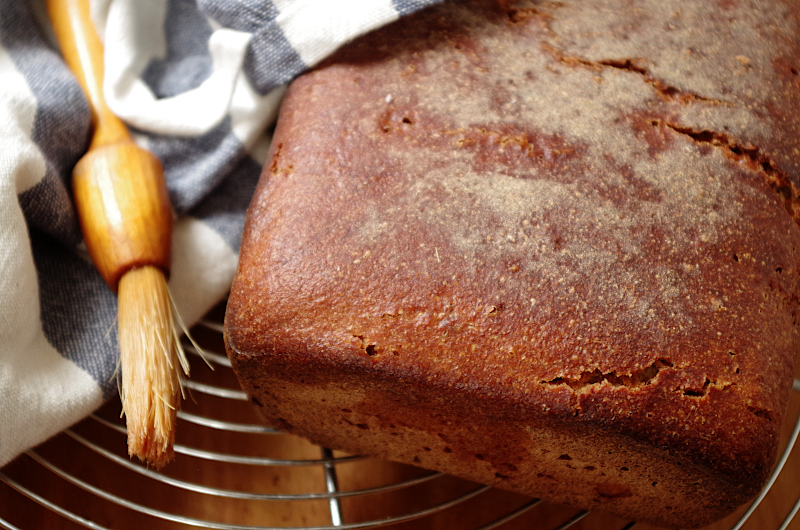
199 83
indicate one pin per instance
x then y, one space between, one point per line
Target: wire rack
232 473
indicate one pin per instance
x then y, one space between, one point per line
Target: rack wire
231 473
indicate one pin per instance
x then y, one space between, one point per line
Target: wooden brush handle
119 188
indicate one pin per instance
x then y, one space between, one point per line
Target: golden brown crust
545 235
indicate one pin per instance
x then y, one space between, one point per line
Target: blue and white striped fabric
199 82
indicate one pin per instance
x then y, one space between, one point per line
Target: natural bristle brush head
151 361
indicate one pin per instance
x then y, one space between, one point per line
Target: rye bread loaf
551 247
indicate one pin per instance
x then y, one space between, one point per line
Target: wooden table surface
72 456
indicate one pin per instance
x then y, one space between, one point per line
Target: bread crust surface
549 246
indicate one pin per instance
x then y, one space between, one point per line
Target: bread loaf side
548 246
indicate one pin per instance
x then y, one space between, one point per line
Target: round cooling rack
232 473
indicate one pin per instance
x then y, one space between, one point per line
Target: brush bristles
150 363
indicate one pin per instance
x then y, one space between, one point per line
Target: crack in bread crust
754 159
666 91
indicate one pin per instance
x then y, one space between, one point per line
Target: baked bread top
584 211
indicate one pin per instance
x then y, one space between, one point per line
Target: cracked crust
538 245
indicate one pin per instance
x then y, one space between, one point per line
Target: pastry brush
126 220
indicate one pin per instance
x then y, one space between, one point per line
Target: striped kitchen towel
199 82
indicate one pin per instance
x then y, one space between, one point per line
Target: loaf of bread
551 247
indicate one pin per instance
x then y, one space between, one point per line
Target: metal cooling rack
241 474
